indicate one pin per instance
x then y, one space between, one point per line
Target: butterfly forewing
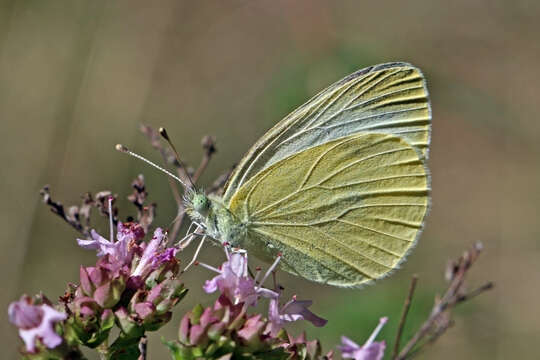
343 212
389 98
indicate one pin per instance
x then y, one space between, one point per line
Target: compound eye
201 203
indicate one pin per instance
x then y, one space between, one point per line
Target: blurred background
77 77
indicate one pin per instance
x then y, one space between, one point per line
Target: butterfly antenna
164 134
125 150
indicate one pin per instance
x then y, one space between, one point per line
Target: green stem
103 350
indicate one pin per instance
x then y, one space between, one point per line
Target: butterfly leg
190 236
185 241
196 254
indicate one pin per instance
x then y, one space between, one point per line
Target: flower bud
127 324
108 294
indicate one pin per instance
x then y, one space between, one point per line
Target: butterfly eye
200 204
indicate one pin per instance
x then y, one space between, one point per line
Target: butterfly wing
388 98
343 213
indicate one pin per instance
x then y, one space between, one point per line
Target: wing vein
343 91
313 226
373 230
322 250
372 181
316 162
385 95
372 116
356 162
358 252
307 127
402 122
409 224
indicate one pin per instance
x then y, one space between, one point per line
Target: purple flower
291 311
371 350
166 255
233 281
127 235
129 232
35 322
98 242
155 254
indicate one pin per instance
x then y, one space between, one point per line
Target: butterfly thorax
218 222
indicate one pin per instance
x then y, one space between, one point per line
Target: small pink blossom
371 350
292 311
129 232
127 235
234 282
35 322
154 254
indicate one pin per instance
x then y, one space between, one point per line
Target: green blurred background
77 77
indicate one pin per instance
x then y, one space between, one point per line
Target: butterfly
339 189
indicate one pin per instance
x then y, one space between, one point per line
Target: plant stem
406 307
103 350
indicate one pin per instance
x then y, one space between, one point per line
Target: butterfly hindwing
343 212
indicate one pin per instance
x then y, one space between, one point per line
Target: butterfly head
197 204
200 203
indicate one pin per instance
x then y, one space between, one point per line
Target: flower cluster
134 282
133 285
226 330
233 282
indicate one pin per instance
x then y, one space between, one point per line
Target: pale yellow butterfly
339 187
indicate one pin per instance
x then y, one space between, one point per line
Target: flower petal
45 330
298 309
211 286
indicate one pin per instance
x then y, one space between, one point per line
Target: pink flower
371 350
129 232
233 281
292 311
35 322
155 254
127 235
